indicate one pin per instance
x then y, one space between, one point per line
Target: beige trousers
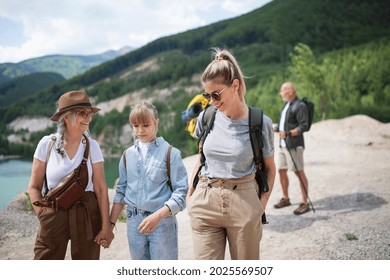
226 209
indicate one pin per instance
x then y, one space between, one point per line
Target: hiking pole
299 177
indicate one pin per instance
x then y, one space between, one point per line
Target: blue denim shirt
144 184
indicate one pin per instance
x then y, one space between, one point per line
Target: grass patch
351 236
28 203
122 218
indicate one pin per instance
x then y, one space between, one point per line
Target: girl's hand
149 224
189 193
104 238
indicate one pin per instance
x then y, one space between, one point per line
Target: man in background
294 121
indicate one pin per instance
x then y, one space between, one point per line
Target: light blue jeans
162 244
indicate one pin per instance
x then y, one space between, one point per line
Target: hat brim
57 115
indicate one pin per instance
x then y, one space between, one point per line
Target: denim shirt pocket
158 173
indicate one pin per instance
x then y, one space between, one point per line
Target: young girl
143 187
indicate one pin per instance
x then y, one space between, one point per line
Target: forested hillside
15 89
337 52
66 65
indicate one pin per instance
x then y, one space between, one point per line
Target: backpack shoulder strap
255 132
51 144
86 151
295 105
207 124
169 167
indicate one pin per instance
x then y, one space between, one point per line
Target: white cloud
94 26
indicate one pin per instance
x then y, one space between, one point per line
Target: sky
34 28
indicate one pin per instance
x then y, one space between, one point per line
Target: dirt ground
348 168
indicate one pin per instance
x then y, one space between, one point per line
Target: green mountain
337 52
66 65
12 91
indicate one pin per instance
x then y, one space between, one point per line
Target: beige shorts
285 162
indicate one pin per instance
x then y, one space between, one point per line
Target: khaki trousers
81 223
221 209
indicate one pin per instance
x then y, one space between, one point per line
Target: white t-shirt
282 121
144 149
58 167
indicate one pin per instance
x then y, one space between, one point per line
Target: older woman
225 203
86 223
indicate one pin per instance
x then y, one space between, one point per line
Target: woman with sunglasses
225 205
86 223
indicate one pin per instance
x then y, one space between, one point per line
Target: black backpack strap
255 132
256 137
207 124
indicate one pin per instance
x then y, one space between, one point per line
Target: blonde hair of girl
142 112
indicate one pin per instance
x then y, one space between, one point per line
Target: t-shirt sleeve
96 152
268 137
42 149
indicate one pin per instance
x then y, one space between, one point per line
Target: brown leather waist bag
70 189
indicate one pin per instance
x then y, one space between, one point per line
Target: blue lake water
15 176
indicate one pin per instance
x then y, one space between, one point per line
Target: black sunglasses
215 95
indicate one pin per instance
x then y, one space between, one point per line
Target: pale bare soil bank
348 167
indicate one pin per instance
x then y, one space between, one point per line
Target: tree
310 78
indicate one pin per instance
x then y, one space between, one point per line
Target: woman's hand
189 193
104 238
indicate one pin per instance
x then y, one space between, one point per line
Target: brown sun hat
72 100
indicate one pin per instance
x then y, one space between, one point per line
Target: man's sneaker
282 203
302 209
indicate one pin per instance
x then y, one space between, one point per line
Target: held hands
104 238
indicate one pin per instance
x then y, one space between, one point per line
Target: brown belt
73 220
